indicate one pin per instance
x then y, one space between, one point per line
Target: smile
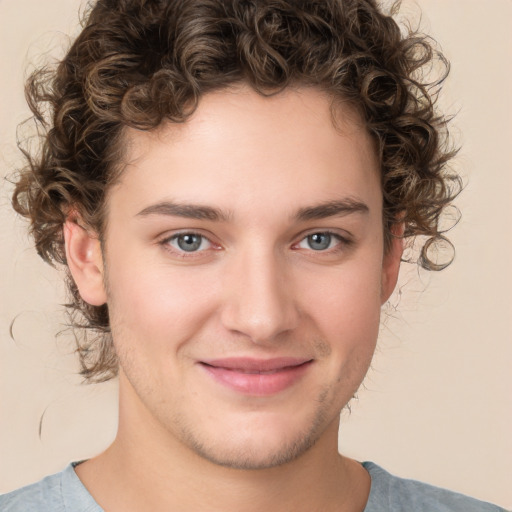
257 377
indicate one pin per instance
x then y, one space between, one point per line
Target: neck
146 468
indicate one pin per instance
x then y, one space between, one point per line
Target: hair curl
138 63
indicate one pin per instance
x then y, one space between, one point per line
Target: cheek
159 305
346 307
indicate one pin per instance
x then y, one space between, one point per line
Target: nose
259 302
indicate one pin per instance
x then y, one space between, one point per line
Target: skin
256 287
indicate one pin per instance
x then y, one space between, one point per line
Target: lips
258 377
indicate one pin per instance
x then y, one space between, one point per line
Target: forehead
240 148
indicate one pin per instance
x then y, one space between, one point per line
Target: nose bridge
259 301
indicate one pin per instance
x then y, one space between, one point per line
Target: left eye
319 241
189 242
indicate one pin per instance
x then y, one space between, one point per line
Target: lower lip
258 384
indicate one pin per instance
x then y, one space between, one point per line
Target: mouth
257 377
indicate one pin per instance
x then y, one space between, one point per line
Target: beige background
437 405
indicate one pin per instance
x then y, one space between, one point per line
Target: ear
391 261
85 262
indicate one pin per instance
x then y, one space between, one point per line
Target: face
245 272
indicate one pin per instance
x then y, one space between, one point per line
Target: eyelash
166 243
343 243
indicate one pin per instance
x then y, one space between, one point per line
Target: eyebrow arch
332 208
194 211
189 211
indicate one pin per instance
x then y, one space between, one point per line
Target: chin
259 445
254 456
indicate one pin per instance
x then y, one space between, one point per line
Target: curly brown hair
137 63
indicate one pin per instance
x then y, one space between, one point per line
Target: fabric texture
389 493
64 492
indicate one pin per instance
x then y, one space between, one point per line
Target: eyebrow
189 211
334 208
200 212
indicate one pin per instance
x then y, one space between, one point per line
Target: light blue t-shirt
64 492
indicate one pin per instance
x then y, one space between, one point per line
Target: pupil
189 242
319 241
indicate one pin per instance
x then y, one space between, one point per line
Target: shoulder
392 493
43 495
62 492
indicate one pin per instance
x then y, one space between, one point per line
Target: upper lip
247 364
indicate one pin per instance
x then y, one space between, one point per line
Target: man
230 185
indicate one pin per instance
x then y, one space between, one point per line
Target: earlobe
84 259
391 262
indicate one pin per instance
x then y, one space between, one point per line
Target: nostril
258 299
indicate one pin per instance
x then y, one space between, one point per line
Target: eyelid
339 233
165 240
344 240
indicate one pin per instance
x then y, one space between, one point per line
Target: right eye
188 242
